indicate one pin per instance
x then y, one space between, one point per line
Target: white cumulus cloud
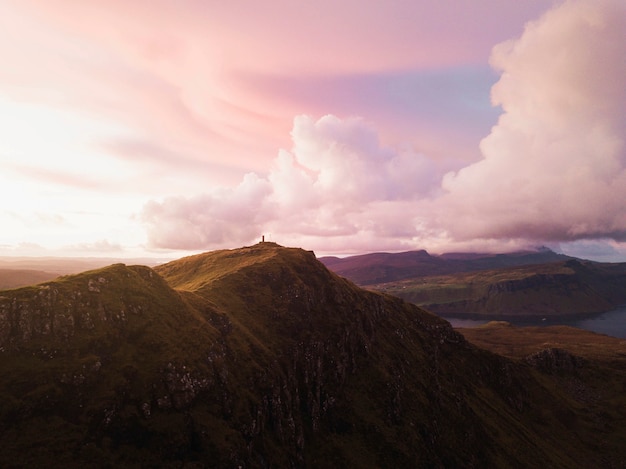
553 168
332 183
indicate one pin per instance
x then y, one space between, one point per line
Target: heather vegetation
261 357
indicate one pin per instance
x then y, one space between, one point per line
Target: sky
161 128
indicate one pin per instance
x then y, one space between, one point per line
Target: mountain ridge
262 357
499 286
570 288
381 267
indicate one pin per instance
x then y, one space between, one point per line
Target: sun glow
43 151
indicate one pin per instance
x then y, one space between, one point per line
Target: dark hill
261 357
376 268
560 288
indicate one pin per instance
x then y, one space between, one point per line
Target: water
611 323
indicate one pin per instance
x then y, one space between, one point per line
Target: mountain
555 289
377 268
530 284
262 357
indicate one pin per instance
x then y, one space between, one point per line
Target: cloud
445 111
174 73
338 181
224 217
185 96
601 250
349 163
554 166
102 246
320 37
96 248
38 219
24 249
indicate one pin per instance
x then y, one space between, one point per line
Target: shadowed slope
261 357
588 368
559 288
15 278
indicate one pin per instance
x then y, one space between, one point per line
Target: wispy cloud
182 107
552 169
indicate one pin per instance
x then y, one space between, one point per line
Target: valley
522 286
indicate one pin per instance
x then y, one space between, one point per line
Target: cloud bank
554 165
337 182
552 169
217 85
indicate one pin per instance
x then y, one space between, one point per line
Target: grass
267 358
511 341
592 399
559 288
449 288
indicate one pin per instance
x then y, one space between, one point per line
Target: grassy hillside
261 357
560 288
84 357
515 342
588 368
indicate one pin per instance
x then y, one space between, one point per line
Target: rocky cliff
562 288
261 357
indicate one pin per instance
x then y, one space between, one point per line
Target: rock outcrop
554 360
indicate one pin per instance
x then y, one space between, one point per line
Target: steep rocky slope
261 357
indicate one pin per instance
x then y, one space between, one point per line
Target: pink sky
162 127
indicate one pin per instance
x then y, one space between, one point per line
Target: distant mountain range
538 284
23 271
261 357
15 278
382 267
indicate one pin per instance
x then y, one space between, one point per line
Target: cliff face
534 295
107 298
260 357
562 288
